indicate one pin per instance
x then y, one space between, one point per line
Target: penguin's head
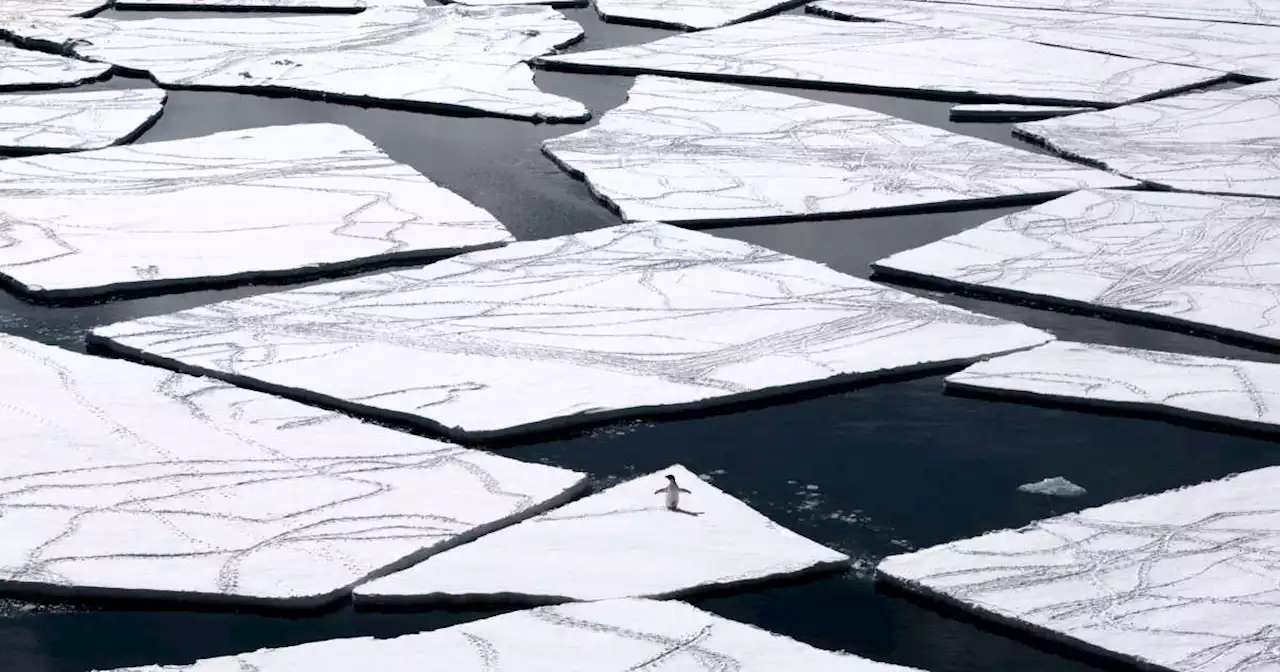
671 478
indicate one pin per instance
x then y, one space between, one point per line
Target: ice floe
1056 486
228 207
695 14
1229 47
52 8
818 52
1011 112
443 58
124 480
687 151
77 120
607 636
1232 392
622 542
260 5
22 68
1221 141
1194 260
1181 581
624 321
1229 11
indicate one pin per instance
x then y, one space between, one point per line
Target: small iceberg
1053 487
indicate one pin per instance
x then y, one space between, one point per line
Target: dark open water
871 471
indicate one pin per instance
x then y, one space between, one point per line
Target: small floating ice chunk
234 205
622 542
1182 259
1183 581
893 57
1056 486
688 151
124 480
426 57
618 322
607 636
1002 112
1230 392
77 120
1220 141
1228 11
22 68
695 14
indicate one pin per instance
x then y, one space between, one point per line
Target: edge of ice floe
961 114
32 150
675 24
180 6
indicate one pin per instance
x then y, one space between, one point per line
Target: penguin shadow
686 512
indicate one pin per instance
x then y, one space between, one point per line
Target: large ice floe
688 151
76 120
1183 581
22 68
622 542
623 321
1211 390
281 201
608 636
125 480
1229 47
693 14
1221 141
1188 260
1227 11
436 58
818 52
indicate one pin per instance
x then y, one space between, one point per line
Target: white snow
20 68
622 542
1056 486
257 5
893 57
687 151
455 57
1181 581
1232 11
1010 112
52 8
1183 259
130 481
695 14
1223 391
1220 141
610 636
622 321
235 205
77 120
1229 47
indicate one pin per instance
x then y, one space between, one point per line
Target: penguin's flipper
659 491
685 491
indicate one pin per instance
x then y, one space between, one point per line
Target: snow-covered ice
22 68
607 636
621 321
1012 112
125 480
52 8
77 120
621 542
1232 392
686 151
1055 486
1229 47
237 205
455 57
1221 141
695 14
814 51
1229 11
257 5
624 321
1184 581
1195 260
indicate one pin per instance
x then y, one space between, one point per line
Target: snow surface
455 57
1182 581
617 322
610 636
21 68
257 5
77 120
130 481
52 8
1010 112
276 201
622 542
1228 47
1219 141
893 57
1231 11
1224 391
688 151
1056 486
695 14
1183 259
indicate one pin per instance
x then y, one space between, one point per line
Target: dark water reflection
872 471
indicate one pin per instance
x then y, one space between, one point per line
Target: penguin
673 491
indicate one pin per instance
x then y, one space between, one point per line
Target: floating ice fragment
77 120
1056 486
1229 11
22 68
